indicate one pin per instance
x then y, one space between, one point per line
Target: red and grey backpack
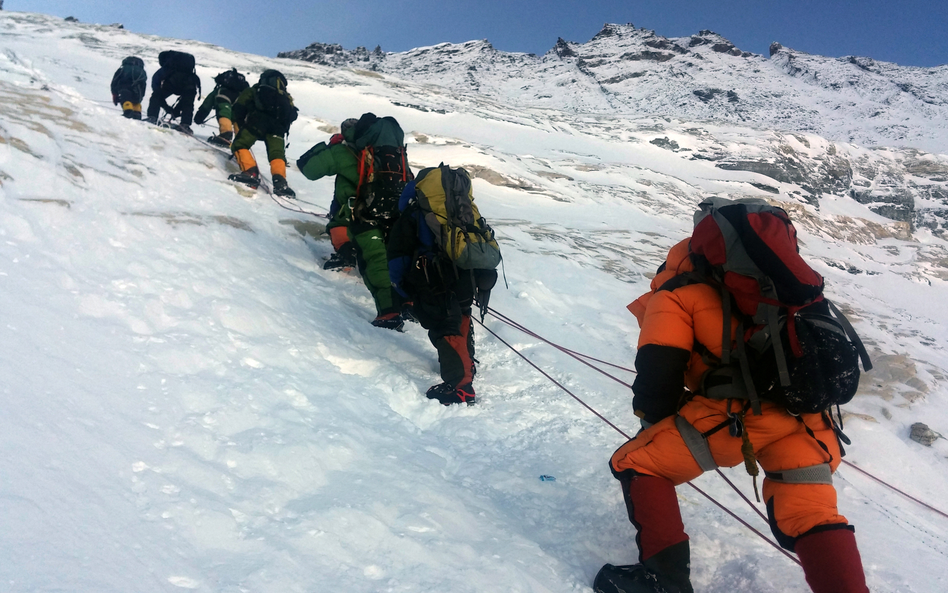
749 250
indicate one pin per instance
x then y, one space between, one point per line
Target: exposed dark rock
653 56
623 77
611 30
922 434
665 143
563 49
71 19
774 48
863 63
708 94
662 43
785 171
418 107
766 188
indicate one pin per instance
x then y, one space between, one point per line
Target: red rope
746 524
571 353
906 495
300 210
555 382
620 431
577 356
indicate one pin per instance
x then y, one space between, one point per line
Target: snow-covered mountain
634 71
189 402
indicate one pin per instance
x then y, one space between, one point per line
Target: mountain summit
634 71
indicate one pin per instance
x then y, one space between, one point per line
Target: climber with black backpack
228 86
741 358
369 159
442 257
265 112
176 76
128 86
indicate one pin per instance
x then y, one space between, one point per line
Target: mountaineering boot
281 188
223 139
344 258
447 394
665 572
672 568
249 177
183 129
831 561
389 321
153 120
631 578
408 312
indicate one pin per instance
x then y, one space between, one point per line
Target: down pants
781 443
447 317
803 516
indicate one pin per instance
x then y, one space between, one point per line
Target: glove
200 117
336 139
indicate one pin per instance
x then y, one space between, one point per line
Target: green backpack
447 200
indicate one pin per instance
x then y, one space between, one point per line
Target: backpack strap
748 380
853 337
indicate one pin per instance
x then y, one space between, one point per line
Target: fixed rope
623 433
735 488
905 494
578 356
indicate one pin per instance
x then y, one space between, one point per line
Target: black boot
447 394
672 566
631 578
249 177
281 188
389 321
223 139
344 259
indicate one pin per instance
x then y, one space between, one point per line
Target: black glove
201 116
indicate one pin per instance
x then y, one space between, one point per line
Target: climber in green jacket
363 237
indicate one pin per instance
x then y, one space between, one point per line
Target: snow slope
191 403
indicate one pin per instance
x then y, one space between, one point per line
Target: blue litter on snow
547 479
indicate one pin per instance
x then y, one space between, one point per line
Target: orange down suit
681 329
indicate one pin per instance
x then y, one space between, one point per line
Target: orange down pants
780 441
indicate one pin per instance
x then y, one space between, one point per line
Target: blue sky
907 32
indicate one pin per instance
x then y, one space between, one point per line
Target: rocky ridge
823 111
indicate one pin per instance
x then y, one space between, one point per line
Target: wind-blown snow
191 403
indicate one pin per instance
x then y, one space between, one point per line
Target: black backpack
272 98
131 75
176 61
748 249
232 80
